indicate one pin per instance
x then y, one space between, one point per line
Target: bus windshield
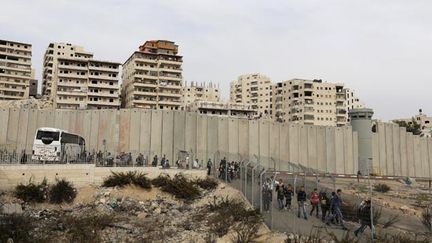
48 135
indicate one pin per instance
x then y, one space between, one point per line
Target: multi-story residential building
152 77
423 120
74 80
310 102
15 70
223 109
352 101
253 89
199 92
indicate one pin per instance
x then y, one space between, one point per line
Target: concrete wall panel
167 136
145 132
284 146
191 135
233 139
253 140
94 131
212 138
264 143
294 143
312 147
339 149
382 148
179 136
201 138
243 138
403 151
303 146
429 141
22 131
355 152
331 149
375 153
134 131
410 154
275 140
424 158
348 151
124 126
86 128
222 134
321 149
389 148
4 120
12 131
417 157
156 134
396 151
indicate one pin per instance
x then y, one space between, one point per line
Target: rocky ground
128 214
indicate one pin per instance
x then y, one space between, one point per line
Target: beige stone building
15 70
152 77
423 120
194 92
219 108
310 102
253 89
352 101
72 79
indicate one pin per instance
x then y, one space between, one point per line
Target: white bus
55 145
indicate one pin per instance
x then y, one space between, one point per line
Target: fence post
245 176
261 195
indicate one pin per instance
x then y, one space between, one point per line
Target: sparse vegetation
391 221
32 192
381 187
208 183
179 186
427 218
122 179
85 228
62 191
230 213
16 227
423 200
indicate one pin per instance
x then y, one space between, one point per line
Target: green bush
208 183
62 191
381 187
32 192
122 179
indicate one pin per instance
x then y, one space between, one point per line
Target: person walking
301 200
288 193
155 161
325 205
267 194
209 166
338 202
364 214
280 196
314 199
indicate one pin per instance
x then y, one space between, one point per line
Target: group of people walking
330 206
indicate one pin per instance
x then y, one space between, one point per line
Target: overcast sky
381 49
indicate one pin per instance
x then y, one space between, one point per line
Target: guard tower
361 122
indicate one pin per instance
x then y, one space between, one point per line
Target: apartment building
311 102
352 101
254 89
199 92
218 108
72 79
152 77
15 70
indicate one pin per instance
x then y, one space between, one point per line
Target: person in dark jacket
288 193
301 200
325 205
364 214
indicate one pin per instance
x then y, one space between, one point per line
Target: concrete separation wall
399 153
154 132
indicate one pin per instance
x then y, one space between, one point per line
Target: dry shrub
381 187
122 179
427 218
86 228
179 186
208 183
32 192
15 227
62 191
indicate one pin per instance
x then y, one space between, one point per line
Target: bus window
47 137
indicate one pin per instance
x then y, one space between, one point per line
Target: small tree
412 127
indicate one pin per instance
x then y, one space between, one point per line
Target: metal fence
283 212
